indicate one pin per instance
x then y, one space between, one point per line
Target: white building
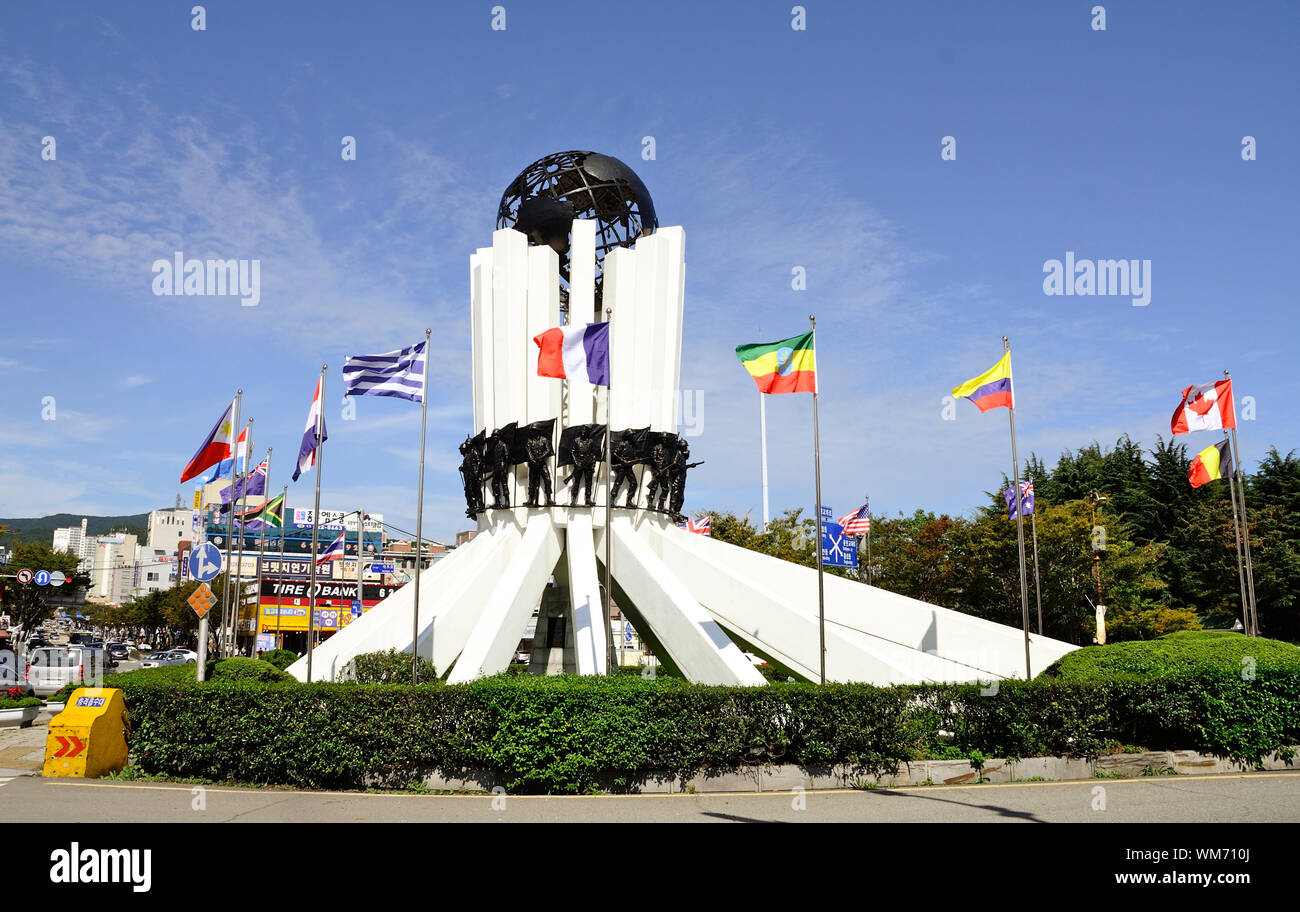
74 540
154 568
113 576
167 529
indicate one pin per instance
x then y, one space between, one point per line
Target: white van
49 668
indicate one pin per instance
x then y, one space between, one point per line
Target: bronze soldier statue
677 480
585 457
471 473
624 457
660 481
498 454
539 451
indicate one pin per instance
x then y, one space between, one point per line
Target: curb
786 777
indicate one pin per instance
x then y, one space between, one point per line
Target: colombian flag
788 366
1211 464
991 389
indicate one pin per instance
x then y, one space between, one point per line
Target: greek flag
400 373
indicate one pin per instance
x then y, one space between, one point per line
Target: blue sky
775 148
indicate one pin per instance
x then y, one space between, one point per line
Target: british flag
698 526
858 522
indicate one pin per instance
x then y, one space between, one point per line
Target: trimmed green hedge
1191 651
569 734
280 658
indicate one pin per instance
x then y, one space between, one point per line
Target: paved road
1251 797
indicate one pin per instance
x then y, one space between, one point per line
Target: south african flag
269 515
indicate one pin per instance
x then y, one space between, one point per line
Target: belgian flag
1211 464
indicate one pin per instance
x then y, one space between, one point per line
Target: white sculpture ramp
517 592
766 601
694 640
451 595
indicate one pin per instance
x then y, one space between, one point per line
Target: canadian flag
1206 407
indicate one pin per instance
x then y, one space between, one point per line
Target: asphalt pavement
1245 798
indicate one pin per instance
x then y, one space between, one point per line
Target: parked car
186 655
119 651
51 667
161 659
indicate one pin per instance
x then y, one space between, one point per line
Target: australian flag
1026 499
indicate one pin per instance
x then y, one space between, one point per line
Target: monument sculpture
578 241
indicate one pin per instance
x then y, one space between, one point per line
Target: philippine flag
575 353
334 551
215 447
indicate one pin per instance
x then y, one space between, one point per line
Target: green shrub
240 668
391 667
13 698
280 658
1209 651
572 734
62 694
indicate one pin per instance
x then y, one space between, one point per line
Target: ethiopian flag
1211 464
788 366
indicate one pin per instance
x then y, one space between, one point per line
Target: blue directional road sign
838 549
377 567
42 577
356 608
205 562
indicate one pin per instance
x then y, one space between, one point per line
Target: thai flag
698 526
334 551
576 352
307 449
215 447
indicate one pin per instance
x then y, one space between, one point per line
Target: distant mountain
41 529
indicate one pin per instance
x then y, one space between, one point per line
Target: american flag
858 522
698 526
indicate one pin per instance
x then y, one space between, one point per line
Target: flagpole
261 553
1236 531
817 545
419 523
315 525
762 433
609 530
1245 520
230 521
1020 519
361 546
279 596
239 560
1038 589
866 499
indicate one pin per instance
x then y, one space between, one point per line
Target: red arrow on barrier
63 745
79 745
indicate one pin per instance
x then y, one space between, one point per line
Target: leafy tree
29 605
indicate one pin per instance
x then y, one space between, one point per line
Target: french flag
578 352
334 551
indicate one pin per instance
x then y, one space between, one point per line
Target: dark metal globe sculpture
551 192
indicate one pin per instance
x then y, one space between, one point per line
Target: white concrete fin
584 595
517 592
694 640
